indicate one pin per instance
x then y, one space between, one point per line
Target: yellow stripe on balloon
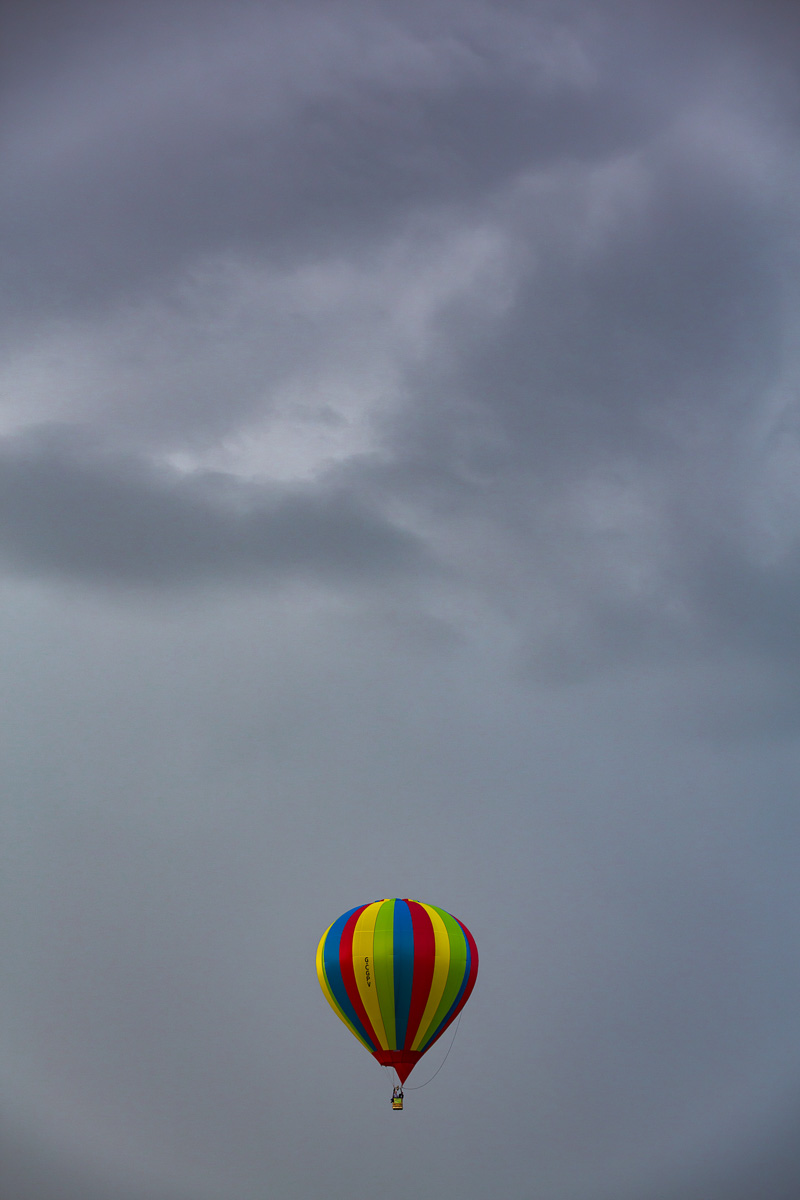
440 971
364 965
328 994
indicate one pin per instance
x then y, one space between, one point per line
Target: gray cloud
306 146
115 521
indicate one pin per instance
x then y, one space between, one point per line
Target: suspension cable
441 1064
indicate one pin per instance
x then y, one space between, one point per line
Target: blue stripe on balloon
403 968
333 973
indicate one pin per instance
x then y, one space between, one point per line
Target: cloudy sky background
400 495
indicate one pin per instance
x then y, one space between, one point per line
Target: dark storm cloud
639 364
343 127
622 345
329 151
113 520
306 146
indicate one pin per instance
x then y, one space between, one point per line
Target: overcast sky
400 496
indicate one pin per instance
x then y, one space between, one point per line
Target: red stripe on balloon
424 960
349 975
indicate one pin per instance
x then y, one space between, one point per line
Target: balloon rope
441 1064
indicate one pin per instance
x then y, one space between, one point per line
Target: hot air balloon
397 973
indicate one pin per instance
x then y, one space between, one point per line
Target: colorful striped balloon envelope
397 973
